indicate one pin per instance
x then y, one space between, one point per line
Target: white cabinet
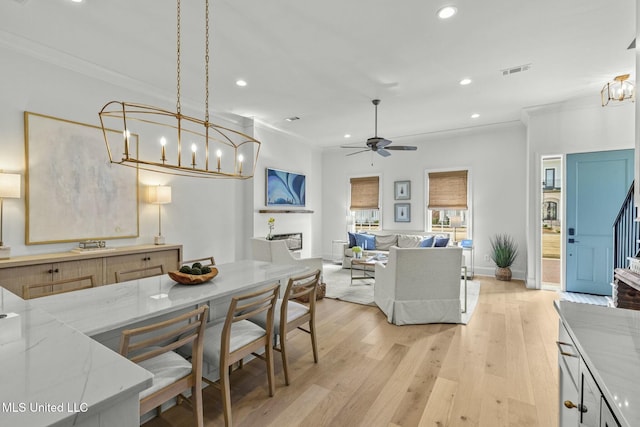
581 401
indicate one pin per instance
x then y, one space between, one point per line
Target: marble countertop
52 374
609 341
47 356
105 308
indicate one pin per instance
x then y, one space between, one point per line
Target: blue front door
597 184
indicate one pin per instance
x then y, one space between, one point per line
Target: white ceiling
324 61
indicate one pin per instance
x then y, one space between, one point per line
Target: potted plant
357 252
503 253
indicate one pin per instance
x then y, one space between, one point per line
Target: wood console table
626 289
101 264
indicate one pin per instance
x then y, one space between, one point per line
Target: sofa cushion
383 243
352 239
441 242
366 241
409 240
427 242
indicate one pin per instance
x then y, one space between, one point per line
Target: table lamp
455 222
9 189
159 195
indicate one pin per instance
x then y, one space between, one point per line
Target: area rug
339 287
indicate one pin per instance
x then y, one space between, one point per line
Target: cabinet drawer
568 355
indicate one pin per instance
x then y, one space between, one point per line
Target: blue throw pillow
441 242
352 239
427 242
366 241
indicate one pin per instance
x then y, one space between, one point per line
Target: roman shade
365 193
448 190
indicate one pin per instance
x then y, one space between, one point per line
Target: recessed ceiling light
292 118
241 83
77 1
447 12
347 135
465 81
475 115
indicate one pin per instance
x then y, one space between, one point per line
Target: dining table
59 364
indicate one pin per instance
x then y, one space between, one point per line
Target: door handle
573 241
562 352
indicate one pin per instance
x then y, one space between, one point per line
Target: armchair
276 251
420 285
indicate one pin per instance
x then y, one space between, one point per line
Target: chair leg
268 350
314 342
226 396
285 365
196 395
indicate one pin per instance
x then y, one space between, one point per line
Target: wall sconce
9 189
618 90
159 195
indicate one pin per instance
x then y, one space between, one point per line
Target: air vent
515 70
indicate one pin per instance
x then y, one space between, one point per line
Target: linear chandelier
618 90
171 142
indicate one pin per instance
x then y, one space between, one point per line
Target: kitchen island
600 362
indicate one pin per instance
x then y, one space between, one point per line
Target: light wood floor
500 370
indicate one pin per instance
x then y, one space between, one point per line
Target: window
365 206
447 208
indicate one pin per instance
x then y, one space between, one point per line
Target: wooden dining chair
139 273
293 315
229 342
37 290
152 347
206 261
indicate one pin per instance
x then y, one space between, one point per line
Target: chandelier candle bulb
219 156
193 155
240 158
163 142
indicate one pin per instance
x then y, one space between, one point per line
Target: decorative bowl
192 279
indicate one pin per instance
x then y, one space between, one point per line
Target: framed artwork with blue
285 188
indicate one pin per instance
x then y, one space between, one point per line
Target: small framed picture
402 190
402 212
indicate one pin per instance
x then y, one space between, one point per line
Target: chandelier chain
178 106
206 64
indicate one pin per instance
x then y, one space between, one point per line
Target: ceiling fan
377 143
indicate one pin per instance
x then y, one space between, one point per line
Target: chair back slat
49 288
139 273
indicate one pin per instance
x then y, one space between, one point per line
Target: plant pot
503 273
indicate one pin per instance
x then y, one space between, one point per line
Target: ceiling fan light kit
377 143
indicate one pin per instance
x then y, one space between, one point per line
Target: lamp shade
455 221
9 186
159 194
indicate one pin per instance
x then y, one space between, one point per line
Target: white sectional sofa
383 240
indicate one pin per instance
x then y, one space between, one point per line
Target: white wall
286 152
206 216
495 157
578 126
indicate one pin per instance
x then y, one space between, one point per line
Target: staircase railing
626 232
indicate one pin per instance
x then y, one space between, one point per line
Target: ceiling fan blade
358 152
383 142
383 152
355 147
402 147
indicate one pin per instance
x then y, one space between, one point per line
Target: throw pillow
441 242
427 242
409 240
352 239
383 243
366 241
